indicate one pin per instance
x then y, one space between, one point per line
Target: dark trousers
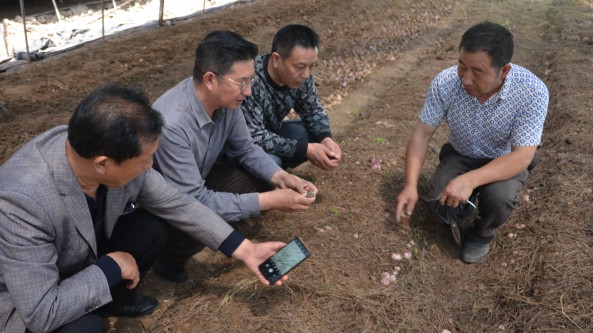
89 323
224 177
496 201
293 129
143 236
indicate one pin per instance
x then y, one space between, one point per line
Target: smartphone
284 260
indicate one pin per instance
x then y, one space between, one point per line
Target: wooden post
102 19
22 2
57 11
4 47
161 12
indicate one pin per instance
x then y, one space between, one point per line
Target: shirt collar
196 105
266 60
505 90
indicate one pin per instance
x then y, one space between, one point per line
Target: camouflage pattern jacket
269 104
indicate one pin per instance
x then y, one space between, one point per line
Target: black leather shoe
171 274
136 305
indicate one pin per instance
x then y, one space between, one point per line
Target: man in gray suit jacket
71 240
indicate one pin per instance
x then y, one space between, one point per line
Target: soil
376 62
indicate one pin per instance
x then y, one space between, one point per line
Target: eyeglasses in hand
454 216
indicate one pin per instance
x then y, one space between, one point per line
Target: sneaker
474 251
171 274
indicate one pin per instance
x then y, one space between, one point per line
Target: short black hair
491 38
293 35
219 50
113 121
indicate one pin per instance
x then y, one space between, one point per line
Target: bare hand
336 151
291 195
457 192
288 200
283 179
253 254
128 266
321 156
405 203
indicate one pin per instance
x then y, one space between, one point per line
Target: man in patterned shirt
283 83
495 111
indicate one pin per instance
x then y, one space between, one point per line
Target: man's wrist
231 244
242 251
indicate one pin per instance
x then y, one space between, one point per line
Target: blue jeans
292 129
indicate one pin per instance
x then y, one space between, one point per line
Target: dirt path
377 60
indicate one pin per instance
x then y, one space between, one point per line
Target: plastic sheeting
47 34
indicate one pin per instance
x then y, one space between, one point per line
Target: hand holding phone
284 260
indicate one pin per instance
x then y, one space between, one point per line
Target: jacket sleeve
258 107
308 107
182 211
178 165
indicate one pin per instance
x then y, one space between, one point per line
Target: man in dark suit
73 247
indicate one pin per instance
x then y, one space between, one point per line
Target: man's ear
101 163
504 71
208 79
275 58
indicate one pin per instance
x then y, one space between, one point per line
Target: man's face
117 176
296 69
231 94
477 75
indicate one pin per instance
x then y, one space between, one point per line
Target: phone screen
284 260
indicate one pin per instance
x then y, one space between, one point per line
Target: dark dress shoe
134 306
171 274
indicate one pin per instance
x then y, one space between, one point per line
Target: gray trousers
496 201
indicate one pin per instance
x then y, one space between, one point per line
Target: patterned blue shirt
514 116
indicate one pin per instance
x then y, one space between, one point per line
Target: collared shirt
269 103
97 210
191 143
109 267
514 116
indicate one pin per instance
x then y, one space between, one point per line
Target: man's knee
150 224
180 243
155 226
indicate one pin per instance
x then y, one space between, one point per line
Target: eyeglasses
242 85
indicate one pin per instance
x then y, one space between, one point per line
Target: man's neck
82 170
207 104
273 74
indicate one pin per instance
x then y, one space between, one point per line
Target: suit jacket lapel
74 198
115 204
